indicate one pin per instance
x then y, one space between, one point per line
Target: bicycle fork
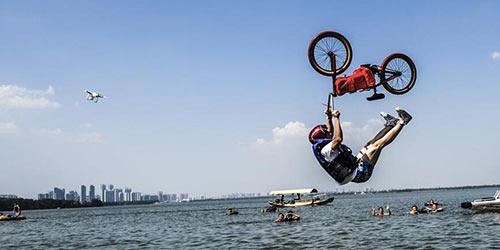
334 78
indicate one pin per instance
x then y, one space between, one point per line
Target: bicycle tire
343 59
391 63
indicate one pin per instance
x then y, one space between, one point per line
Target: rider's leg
390 122
372 151
380 134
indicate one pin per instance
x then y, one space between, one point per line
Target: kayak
21 217
488 203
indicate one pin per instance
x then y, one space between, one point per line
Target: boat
313 198
9 217
484 204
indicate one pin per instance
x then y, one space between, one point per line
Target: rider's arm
329 123
337 137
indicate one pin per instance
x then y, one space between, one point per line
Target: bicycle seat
376 96
365 65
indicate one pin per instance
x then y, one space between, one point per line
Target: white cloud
495 55
8 127
20 97
48 131
354 136
91 137
291 130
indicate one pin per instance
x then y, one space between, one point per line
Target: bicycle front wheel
329 42
398 74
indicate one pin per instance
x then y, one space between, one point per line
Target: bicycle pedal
376 96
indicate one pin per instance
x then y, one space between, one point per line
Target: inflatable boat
5 218
488 203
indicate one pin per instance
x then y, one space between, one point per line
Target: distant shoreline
398 190
394 190
6 204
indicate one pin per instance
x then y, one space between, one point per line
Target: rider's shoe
404 116
389 119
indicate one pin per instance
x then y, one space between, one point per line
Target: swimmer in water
230 211
291 216
414 210
381 211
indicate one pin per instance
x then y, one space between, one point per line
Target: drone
93 96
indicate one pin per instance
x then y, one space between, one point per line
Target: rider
337 159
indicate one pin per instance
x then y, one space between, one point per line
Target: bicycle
330 54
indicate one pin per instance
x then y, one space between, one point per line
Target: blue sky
196 88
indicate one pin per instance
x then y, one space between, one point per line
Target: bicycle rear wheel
327 42
398 73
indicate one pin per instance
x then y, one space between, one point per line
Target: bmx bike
330 54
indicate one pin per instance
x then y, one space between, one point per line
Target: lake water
346 223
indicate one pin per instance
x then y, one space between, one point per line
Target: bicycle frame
376 69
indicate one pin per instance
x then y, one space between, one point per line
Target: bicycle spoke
326 45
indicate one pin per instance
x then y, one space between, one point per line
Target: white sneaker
404 116
389 119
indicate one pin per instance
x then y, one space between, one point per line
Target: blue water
344 224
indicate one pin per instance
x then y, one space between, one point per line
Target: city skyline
109 194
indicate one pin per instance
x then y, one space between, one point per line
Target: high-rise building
160 196
128 194
103 194
183 197
72 196
136 196
110 196
121 196
83 194
173 197
111 187
91 193
59 193
117 193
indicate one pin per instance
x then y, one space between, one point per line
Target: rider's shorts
363 171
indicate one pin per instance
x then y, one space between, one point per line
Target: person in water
337 159
414 210
268 209
381 211
431 202
230 211
280 218
17 210
290 216
435 208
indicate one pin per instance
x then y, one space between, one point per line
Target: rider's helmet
318 132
